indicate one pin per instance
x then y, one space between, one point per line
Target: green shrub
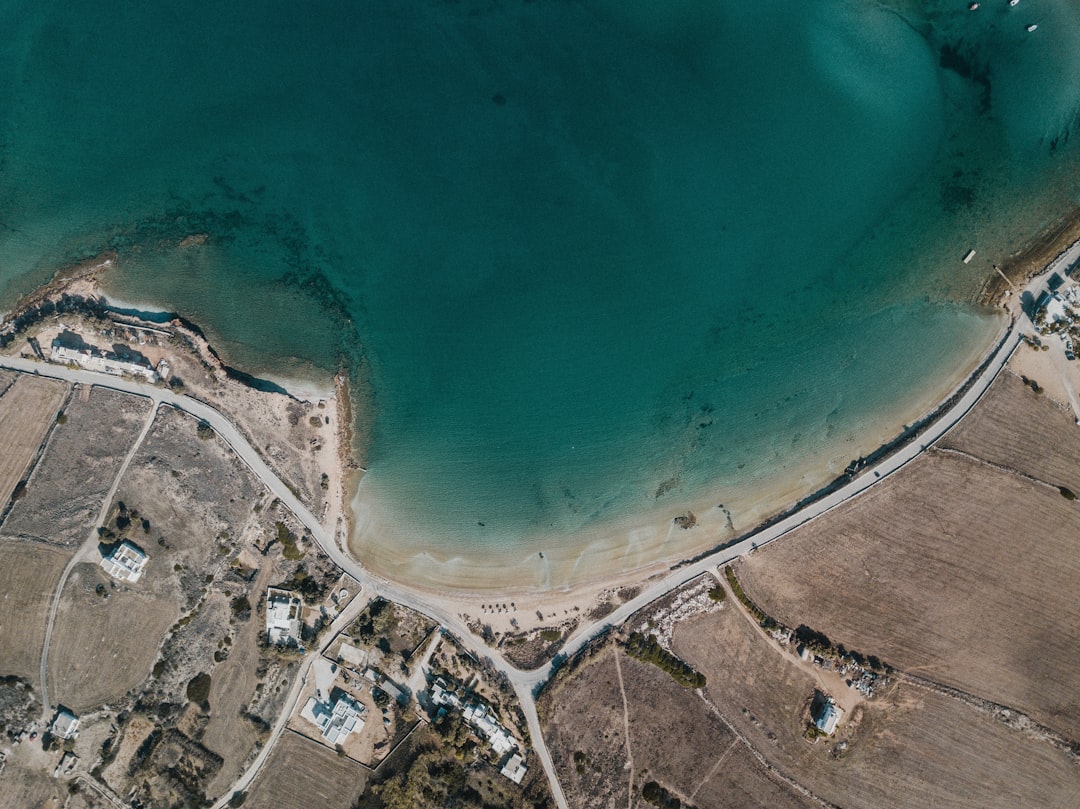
717 593
198 690
648 649
550 635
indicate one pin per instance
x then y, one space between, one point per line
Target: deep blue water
583 252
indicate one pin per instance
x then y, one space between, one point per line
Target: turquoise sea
593 258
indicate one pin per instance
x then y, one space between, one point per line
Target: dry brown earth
909 748
29 572
7 378
80 463
1017 428
673 739
301 774
952 569
27 411
104 646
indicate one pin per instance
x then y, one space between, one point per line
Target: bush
241 607
658 796
198 690
550 635
1068 494
717 593
204 431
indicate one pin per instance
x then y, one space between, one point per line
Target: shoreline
267 410
645 546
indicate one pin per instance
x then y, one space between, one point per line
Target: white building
478 715
515 768
94 359
283 612
336 719
65 725
126 562
828 717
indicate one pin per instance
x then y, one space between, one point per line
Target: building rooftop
515 768
827 717
125 562
336 718
65 725
283 613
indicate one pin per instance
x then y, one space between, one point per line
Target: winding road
527 683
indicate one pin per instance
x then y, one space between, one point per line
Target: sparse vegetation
762 617
204 431
287 538
648 649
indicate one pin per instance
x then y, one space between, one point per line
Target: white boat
1032 27
1013 2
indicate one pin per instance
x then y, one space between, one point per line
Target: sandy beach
570 571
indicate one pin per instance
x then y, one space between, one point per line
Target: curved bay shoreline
624 553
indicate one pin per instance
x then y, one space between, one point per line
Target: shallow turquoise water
589 250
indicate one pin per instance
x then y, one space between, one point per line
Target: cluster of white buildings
283 617
478 715
94 359
126 562
336 717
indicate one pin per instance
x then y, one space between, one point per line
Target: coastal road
523 683
526 683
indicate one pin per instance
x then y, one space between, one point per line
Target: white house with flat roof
126 562
283 614
515 768
828 716
65 725
336 718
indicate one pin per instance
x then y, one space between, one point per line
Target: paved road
523 683
526 683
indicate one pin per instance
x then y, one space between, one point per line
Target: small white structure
828 716
126 562
515 768
336 719
283 611
66 765
65 725
1055 310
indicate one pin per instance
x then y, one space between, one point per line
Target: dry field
953 570
674 740
104 646
27 411
6 380
64 493
909 748
234 683
29 572
1017 428
300 774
